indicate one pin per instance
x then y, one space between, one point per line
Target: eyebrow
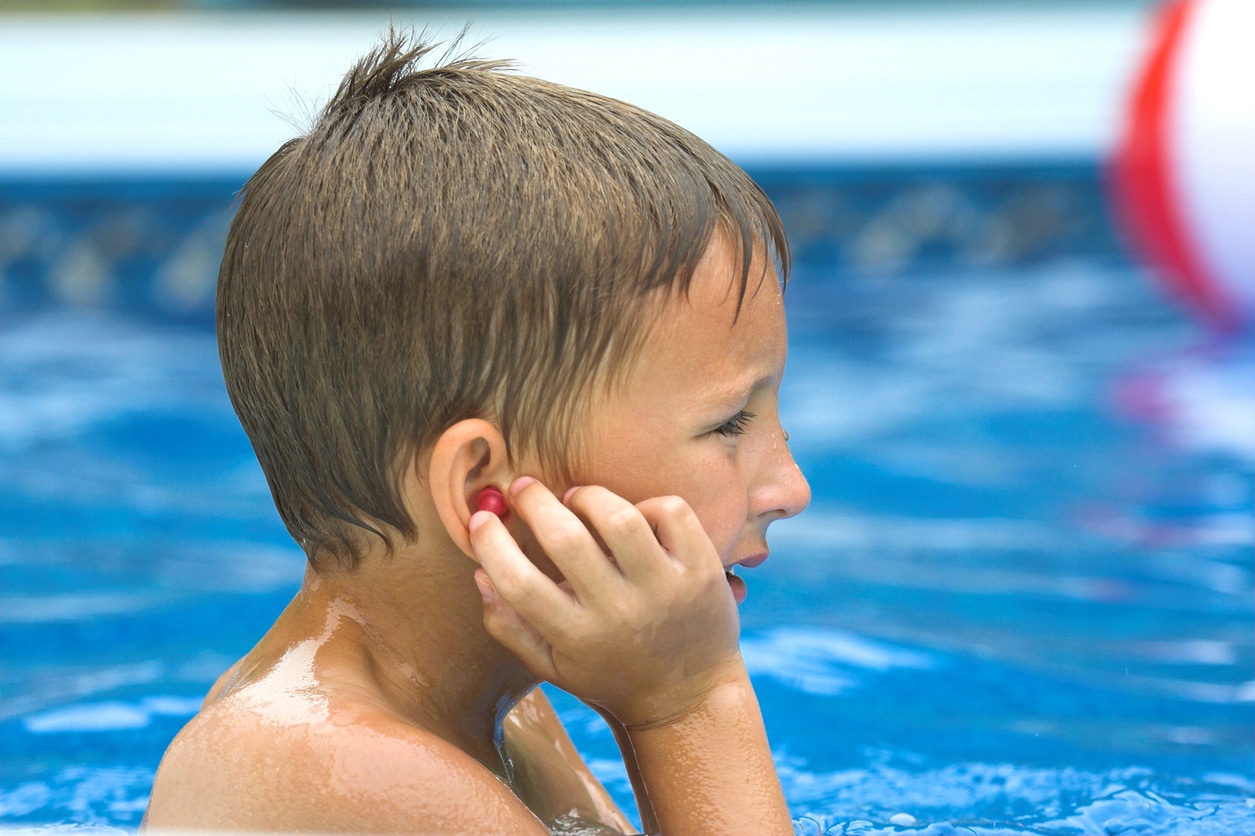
741 390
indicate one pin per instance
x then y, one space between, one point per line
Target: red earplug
490 499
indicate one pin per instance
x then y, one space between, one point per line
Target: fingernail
519 484
485 587
478 519
566 497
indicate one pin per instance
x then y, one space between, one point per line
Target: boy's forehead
715 304
721 285
712 324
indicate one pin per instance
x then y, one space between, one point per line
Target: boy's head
449 243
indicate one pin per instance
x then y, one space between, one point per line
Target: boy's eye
735 425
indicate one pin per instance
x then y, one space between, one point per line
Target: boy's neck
408 627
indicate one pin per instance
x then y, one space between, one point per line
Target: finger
566 541
628 536
516 580
513 632
680 532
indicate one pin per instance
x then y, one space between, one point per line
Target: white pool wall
198 92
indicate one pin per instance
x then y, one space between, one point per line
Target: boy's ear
466 458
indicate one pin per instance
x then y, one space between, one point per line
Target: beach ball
1183 176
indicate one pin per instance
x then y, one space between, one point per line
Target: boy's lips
753 561
736 583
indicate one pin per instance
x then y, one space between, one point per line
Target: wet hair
448 242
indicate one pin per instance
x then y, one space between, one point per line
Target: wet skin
397 698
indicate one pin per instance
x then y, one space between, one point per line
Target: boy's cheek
723 522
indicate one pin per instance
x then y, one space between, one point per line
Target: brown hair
452 242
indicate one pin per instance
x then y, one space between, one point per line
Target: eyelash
735 425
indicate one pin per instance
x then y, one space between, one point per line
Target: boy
463 281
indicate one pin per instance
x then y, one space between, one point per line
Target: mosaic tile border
152 245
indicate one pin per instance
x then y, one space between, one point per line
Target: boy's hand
646 627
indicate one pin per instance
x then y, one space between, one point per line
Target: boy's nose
797 490
785 492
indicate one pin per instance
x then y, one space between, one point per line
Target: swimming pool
1021 601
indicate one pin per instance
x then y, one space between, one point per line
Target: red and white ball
1184 172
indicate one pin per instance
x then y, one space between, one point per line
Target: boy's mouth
736 583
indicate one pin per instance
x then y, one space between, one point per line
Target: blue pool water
1022 601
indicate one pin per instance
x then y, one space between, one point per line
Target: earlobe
467 458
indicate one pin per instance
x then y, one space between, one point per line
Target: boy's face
698 414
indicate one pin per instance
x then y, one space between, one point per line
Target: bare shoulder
288 761
222 684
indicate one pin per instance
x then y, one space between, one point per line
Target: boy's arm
549 768
534 731
647 630
649 821
711 771
661 744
